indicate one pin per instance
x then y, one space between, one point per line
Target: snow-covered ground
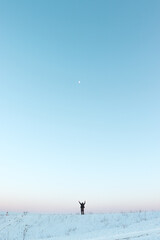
115 226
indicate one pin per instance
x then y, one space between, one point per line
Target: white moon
79 82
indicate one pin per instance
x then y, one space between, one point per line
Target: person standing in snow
82 206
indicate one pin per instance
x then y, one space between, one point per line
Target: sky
79 105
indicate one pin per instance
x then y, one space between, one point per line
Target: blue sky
62 141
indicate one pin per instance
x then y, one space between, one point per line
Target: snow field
111 226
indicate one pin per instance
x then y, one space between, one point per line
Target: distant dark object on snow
82 206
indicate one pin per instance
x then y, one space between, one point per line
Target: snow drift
113 226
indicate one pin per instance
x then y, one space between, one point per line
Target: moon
79 82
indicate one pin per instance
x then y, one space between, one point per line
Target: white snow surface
110 226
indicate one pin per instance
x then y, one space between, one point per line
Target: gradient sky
61 141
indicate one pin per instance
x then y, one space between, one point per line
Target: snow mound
115 226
